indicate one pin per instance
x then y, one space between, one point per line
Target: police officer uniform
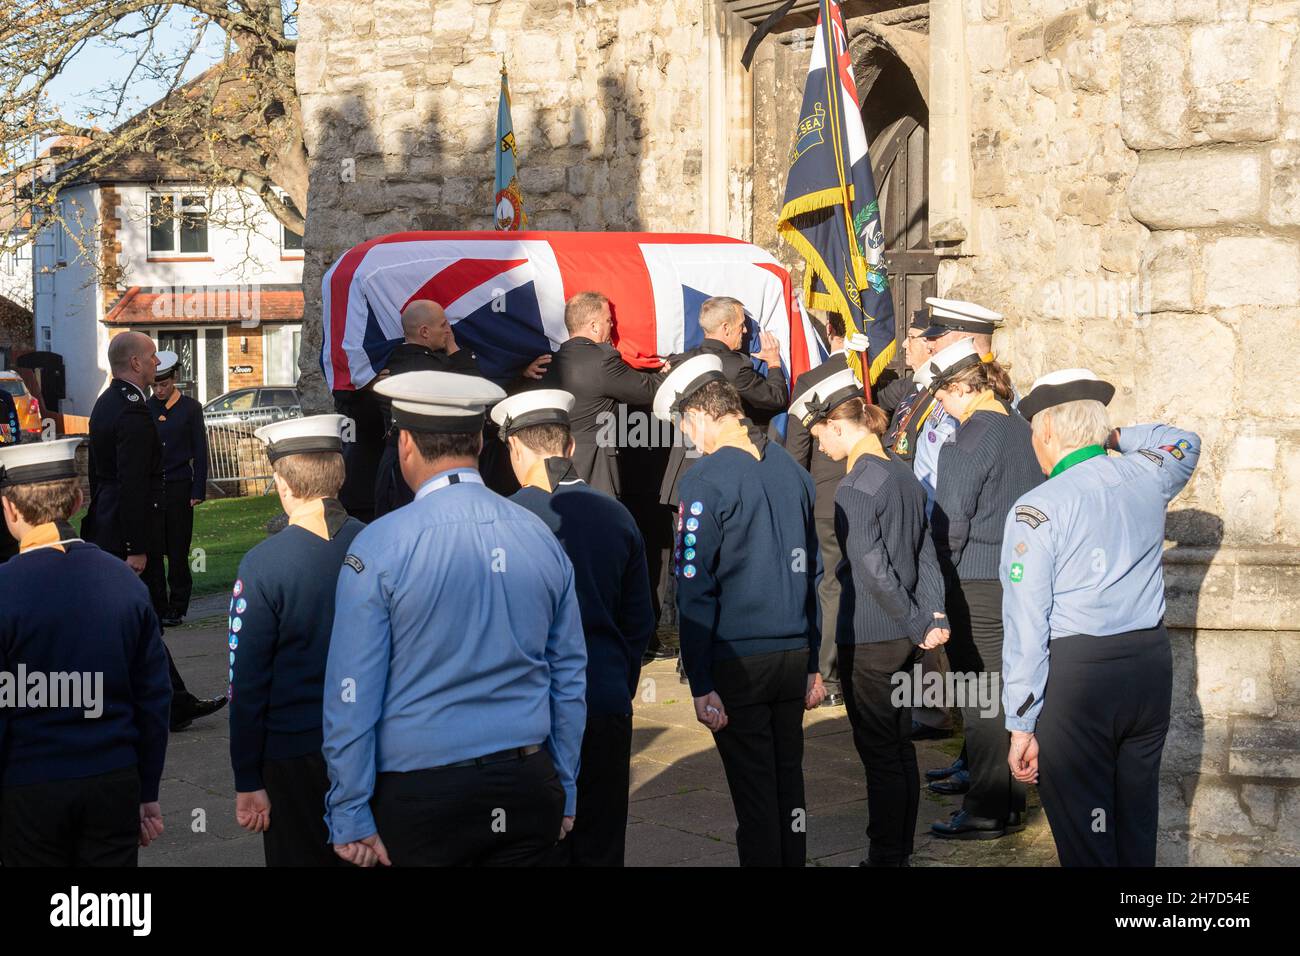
125 516
455 686
891 592
1087 668
989 463
826 474
595 374
281 615
185 478
747 565
72 787
609 566
391 491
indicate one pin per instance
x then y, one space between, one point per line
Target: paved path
680 814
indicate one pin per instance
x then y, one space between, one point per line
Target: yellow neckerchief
43 536
986 401
311 517
176 397
869 444
537 477
734 434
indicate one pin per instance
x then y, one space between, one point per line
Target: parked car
29 409
259 405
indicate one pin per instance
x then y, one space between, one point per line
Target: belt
513 753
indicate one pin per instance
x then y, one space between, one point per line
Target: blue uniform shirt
1082 555
938 428
456 634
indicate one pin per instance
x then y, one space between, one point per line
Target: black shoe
907 861
955 785
943 773
1016 821
193 709
963 826
832 700
922 732
171 620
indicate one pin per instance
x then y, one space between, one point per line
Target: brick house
207 273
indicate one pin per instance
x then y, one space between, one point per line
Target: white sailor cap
168 364
1067 385
440 402
38 461
543 406
947 362
954 315
684 381
298 436
815 403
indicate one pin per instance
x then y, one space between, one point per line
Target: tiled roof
207 305
136 168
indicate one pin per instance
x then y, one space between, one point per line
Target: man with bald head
125 517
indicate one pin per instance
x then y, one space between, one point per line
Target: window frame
179 197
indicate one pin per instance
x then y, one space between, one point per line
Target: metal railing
237 460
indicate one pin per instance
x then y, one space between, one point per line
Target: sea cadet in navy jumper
891 602
185 485
988 465
83 736
747 565
609 572
281 615
1087 669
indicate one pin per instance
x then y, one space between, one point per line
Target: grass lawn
224 530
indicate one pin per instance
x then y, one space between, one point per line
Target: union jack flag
504 293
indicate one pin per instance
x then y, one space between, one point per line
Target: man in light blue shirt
1086 667
455 687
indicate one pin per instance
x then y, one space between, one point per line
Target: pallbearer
281 614
609 567
81 763
1087 671
456 684
185 485
747 565
891 601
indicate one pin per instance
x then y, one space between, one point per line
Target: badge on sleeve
697 507
1030 516
354 563
1149 455
1017 573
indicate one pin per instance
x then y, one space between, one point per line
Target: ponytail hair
857 412
986 375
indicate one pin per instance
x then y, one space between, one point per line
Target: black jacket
126 474
599 379
762 399
804 449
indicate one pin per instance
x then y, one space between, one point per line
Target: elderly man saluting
1086 668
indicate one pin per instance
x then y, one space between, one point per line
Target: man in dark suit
125 517
590 368
722 319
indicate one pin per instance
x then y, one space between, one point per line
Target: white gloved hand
857 342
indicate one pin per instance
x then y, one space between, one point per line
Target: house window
60 236
289 241
178 224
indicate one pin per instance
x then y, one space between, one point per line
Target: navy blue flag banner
831 215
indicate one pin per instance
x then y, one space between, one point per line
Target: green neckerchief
1076 456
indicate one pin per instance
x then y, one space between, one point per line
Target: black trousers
975 648
505 813
170 588
391 489
762 753
93 821
882 736
829 593
1100 735
298 835
599 832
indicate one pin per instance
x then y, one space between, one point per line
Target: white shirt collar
452 476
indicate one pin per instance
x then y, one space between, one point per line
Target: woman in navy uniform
80 774
179 419
1087 670
609 573
987 465
281 615
747 565
891 601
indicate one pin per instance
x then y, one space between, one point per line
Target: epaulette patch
355 563
1173 450
1148 454
1030 516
